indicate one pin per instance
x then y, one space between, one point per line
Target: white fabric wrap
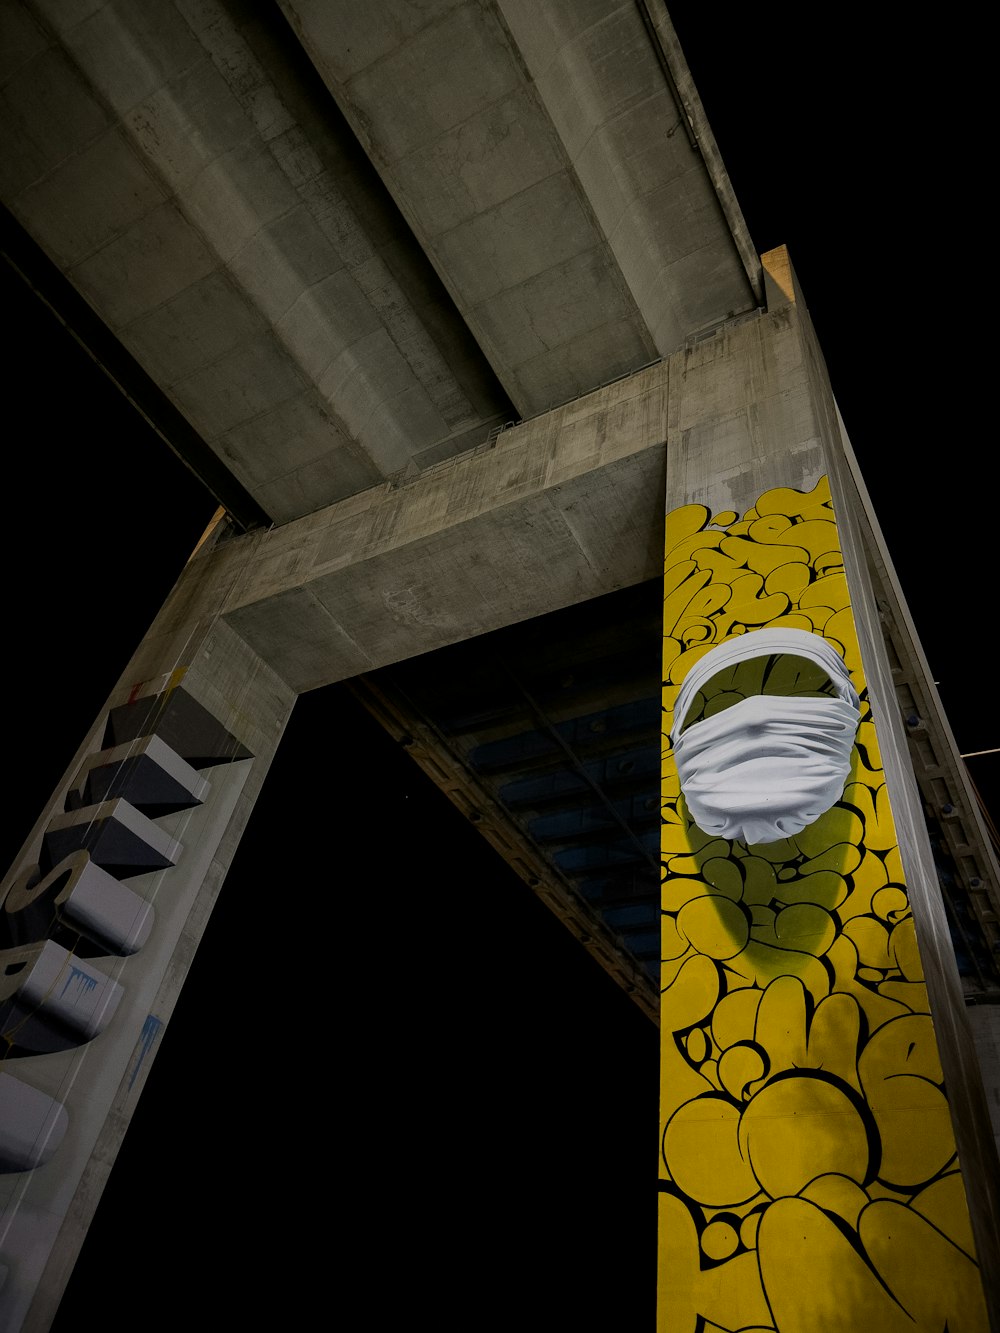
766 767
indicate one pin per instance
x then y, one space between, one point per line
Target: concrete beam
540 157
564 507
188 173
67 1104
185 169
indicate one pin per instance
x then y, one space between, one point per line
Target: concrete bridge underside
346 244
428 295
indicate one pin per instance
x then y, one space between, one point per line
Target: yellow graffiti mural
808 1173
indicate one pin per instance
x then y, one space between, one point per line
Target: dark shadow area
392 1070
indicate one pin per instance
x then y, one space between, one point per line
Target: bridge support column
817 1071
103 911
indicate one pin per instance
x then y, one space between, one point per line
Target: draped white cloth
769 766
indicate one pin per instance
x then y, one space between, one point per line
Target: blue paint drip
150 1031
86 982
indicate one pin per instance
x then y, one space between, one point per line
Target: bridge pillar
817 1072
103 911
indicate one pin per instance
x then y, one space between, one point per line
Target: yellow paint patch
797 1055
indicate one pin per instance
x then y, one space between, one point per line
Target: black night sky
462 1130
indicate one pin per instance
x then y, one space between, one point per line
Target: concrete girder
186 171
542 158
564 507
68 1106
